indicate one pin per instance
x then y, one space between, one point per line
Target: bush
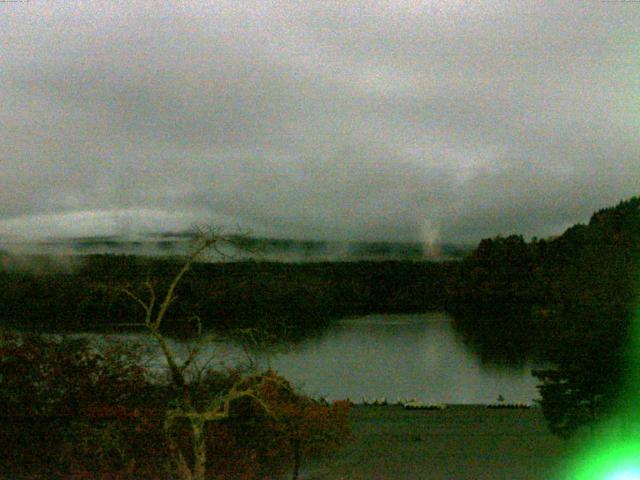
56 395
254 443
72 410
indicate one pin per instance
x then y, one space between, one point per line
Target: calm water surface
394 356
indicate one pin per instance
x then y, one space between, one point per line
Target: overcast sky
404 120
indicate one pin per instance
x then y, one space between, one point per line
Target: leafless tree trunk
248 386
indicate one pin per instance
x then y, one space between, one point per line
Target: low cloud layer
453 120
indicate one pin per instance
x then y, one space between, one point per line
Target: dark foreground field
459 443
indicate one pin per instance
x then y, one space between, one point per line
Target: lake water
394 356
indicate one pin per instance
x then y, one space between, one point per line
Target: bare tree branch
136 298
251 387
195 351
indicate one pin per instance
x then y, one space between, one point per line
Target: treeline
547 290
573 298
588 270
292 297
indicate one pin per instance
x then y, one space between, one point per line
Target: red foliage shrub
69 407
71 410
274 441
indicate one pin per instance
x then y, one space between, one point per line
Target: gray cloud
328 120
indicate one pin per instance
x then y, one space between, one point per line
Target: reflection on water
401 356
394 356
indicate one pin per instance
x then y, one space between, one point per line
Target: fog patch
39 264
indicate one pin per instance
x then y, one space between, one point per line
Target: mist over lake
248 247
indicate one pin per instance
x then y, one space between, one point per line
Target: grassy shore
461 442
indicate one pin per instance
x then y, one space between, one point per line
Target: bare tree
185 409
